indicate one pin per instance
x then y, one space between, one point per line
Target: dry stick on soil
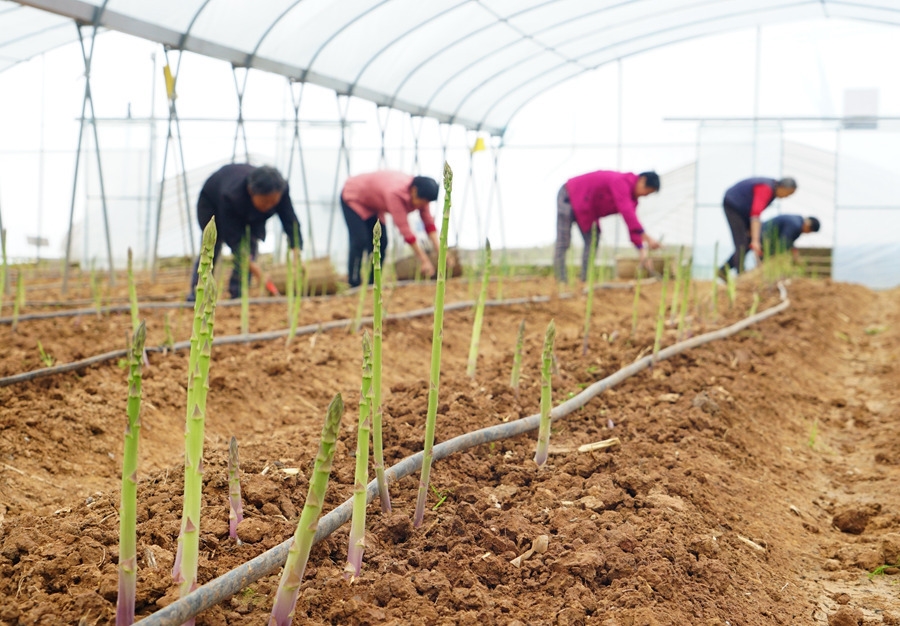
543 440
377 313
479 311
361 479
298 555
364 272
184 571
128 510
437 338
592 258
661 316
517 358
235 506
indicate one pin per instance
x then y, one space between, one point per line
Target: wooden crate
321 277
626 267
408 267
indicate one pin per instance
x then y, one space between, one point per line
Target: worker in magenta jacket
586 198
368 198
744 203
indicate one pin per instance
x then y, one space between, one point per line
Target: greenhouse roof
471 62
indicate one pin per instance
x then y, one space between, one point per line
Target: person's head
811 225
647 183
785 187
422 191
265 185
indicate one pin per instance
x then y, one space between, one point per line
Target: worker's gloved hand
271 288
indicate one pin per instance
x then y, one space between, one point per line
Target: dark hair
651 179
265 180
814 224
787 183
426 187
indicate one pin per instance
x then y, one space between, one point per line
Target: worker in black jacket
241 196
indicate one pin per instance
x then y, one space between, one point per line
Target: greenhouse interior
517 98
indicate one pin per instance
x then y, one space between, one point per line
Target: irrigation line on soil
251 337
231 583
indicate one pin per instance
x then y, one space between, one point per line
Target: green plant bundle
543 440
245 282
132 294
184 571
19 302
517 357
364 272
589 304
437 338
377 335
661 316
479 311
298 554
128 509
5 269
637 300
235 506
361 478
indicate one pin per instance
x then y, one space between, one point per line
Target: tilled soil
754 483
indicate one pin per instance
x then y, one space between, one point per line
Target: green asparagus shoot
128 509
46 359
377 335
298 554
245 282
132 294
19 302
184 571
661 316
361 478
96 291
169 341
235 506
677 280
365 271
479 311
589 304
437 338
715 282
637 300
5 269
543 441
685 294
517 357
296 287
731 288
754 306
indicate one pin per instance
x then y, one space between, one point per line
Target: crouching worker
241 196
367 198
780 233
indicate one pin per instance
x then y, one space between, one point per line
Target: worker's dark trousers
361 233
205 212
564 220
740 233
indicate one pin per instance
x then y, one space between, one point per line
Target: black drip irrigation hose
251 337
231 583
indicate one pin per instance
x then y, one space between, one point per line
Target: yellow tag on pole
479 145
170 82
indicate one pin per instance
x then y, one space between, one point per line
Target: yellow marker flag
170 82
479 145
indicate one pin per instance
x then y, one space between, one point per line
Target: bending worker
241 196
368 198
781 232
586 198
744 203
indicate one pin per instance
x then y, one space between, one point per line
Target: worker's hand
427 268
271 288
757 249
652 243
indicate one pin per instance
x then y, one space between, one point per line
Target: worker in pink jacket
368 198
586 198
